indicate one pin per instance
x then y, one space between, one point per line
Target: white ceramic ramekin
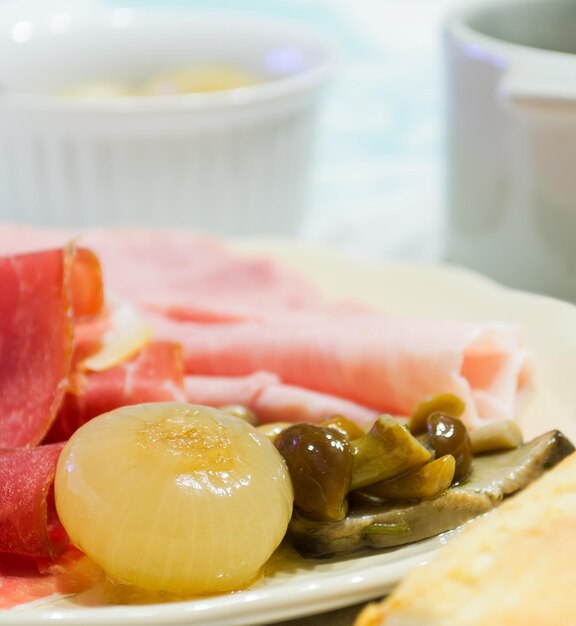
233 162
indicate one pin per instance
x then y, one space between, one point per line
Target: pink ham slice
187 276
155 374
288 403
35 343
182 275
220 391
370 359
236 316
270 400
28 524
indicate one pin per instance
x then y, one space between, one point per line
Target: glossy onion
174 497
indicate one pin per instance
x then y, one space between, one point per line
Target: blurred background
376 183
382 128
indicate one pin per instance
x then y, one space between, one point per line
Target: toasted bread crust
515 566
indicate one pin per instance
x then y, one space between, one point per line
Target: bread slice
515 566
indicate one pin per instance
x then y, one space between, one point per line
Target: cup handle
538 95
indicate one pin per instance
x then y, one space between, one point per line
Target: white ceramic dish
234 161
319 587
415 291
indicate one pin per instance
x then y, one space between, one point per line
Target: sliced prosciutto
371 359
21 582
271 400
28 523
87 285
36 339
41 293
155 374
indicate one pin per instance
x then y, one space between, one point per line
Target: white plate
305 590
414 291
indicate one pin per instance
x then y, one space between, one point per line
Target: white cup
511 121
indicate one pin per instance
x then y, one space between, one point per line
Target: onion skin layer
175 498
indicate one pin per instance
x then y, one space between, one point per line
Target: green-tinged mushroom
428 481
446 403
385 451
319 460
448 435
389 529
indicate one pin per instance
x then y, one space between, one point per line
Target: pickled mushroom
445 403
427 481
384 452
448 435
343 425
395 523
319 460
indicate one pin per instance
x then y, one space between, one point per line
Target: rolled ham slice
236 316
28 524
289 403
370 359
271 400
220 391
